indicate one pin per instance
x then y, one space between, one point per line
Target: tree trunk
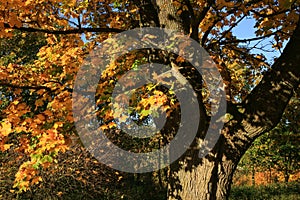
209 180
194 178
253 175
286 176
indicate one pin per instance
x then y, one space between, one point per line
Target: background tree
284 153
277 150
257 90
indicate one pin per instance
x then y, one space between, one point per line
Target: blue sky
246 30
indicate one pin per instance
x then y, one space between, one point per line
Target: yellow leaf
5 128
36 180
7 146
15 102
134 10
58 124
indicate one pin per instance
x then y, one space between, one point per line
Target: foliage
279 149
37 80
20 49
76 175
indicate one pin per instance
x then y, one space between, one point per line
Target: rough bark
210 177
168 17
192 177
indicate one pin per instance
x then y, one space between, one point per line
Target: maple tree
37 89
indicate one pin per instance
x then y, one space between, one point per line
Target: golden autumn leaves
39 93
39 113
5 130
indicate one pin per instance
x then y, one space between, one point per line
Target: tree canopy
44 43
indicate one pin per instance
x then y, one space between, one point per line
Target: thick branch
147 13
266 103
168 16
65 32
200 17
270 15
26 87
34 87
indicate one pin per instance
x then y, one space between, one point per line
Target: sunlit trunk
211 179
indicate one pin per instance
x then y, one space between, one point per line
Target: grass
279 191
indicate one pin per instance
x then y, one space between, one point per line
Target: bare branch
246 40
230 29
